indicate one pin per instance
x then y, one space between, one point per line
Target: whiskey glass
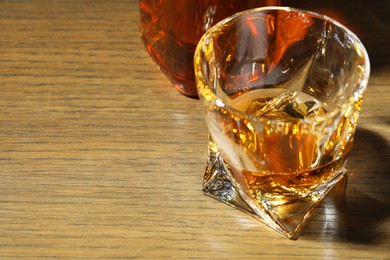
282 89
171 29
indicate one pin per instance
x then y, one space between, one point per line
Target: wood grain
101 158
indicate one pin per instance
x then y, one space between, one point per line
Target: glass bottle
171 29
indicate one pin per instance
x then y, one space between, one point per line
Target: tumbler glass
282 89
171 29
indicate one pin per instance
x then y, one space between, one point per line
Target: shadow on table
357 208
369 20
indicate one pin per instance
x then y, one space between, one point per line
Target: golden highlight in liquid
291 157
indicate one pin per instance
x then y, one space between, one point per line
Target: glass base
287 218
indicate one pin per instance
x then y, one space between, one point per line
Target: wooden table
101 157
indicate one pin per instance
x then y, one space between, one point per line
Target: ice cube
288 105
304 106
264 106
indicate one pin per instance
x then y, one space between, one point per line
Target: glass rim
215 100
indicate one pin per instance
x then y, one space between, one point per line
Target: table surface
101 157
